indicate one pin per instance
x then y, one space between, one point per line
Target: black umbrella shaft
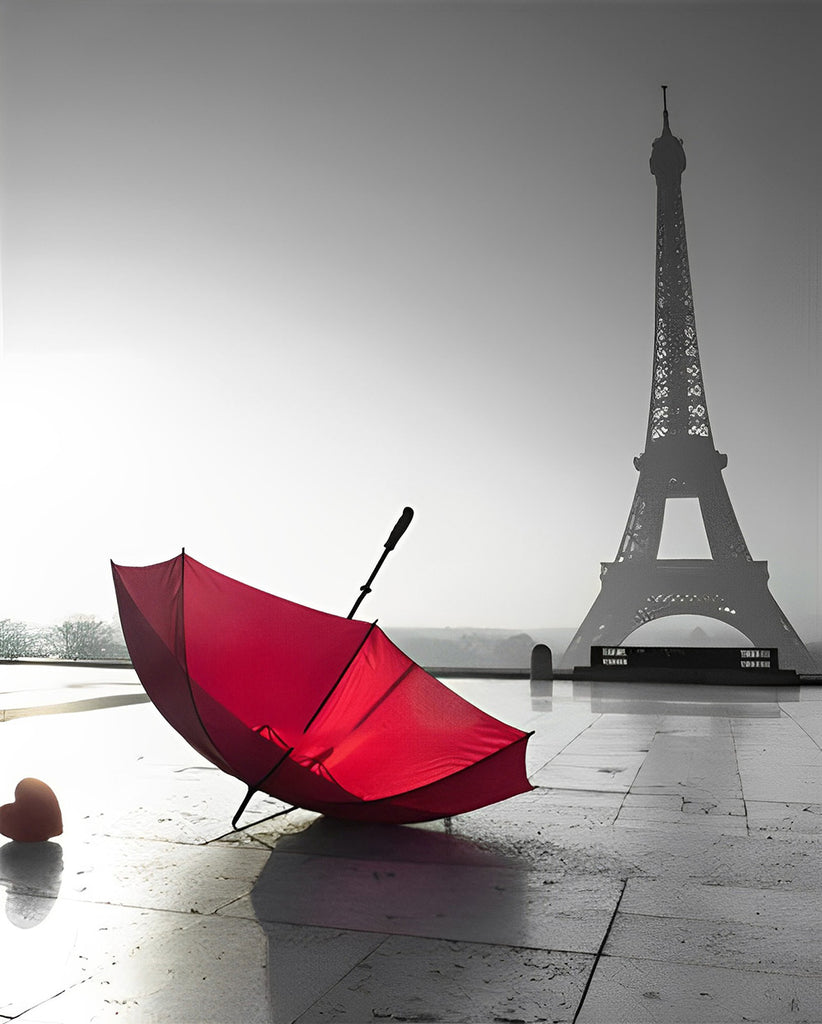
400 527
366 587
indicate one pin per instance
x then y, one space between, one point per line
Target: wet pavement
665 868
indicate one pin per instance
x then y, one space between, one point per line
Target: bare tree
16 640
84 637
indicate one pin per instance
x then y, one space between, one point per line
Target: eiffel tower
680 461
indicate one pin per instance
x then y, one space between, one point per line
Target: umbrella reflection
31 874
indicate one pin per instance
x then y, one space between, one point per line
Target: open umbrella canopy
322 712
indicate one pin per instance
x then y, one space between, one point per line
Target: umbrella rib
208 735
324 701
252 789
384 696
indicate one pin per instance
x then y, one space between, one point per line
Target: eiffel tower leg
759 617
612 617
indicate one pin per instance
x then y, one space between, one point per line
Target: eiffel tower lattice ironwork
680 461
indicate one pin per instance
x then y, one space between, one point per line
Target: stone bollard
542 667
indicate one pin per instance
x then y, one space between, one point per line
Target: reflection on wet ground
30 873
665 867
624 698
48 689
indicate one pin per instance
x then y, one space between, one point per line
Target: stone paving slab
524 829
785 817
160 876
777 908
305 963
553 736
790 738
798 782
784 762
122 954
683 804
575 798
688 810
692 766
605 779
558 843
613 761
149 967
412 979
176 804
770 861
631 991
648 817
495 905
36 947
772 948
623 733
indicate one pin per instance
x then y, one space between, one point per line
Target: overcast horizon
271 272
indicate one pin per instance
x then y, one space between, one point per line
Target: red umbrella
322 712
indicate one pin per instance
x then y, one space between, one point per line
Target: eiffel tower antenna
680 461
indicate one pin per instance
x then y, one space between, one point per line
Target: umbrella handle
400 527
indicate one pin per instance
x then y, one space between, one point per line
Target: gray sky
273 271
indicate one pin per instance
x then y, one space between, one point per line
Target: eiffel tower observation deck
680 461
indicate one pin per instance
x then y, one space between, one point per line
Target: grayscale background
272 271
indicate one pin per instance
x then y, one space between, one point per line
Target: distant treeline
77 638
477 648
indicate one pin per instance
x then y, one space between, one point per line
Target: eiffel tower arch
680 461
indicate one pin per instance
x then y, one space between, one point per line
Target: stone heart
35 814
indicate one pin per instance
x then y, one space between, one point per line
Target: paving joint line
739 776
799 725
385 937
573 739
562 750
598 956
633 780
